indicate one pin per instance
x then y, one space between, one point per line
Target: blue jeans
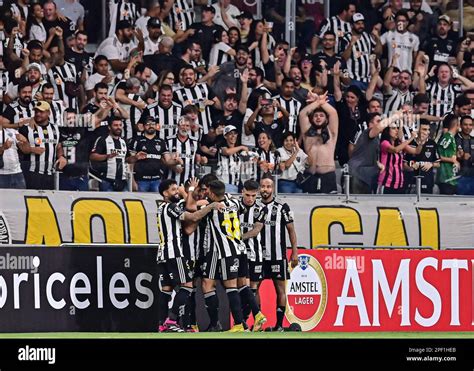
230 188
465 185
288 186
16 181
108 186
148 185
73 184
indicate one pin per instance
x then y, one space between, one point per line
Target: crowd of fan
382 90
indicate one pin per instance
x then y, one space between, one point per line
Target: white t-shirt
11 160
232 13
404 45
297 165
151 47
113 49
218 54
141 24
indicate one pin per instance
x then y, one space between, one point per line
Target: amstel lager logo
306 293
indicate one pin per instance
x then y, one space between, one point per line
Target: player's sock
235 305
244 302
250 299
212 306
164 298
192 308
280 315
179 303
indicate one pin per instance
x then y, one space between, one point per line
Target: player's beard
265 195
175 198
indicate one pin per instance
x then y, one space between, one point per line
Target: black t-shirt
467 145
439 50
79 60
76 143
330 61
103 129
275 130
204 36
152 167
160 62
429 153
235 119
68 26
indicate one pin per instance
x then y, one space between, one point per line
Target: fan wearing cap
122 10
34 78
153 37
205 30
42 148
117 48
229 160
358 46
439 48
245 19
226 14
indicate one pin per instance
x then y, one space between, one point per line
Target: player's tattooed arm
254 232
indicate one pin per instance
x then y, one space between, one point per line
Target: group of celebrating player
206 236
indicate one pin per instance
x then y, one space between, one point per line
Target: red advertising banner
380 290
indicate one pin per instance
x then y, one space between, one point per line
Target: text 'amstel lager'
306 293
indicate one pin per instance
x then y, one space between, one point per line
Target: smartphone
266 102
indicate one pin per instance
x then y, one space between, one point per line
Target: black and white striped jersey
113 168
272 157
190 242
4 81
167 118
396 100
56 116
187 151
169 230
251 215
130 124
15 112
359 62
338 26
122 10
293 106
65 81
226 237
19 11
197 64
197 95
219 54
46 137
442 99
182 11
273 234
229 167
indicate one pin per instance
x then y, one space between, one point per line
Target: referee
278 220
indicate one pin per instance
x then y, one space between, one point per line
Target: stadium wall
53 218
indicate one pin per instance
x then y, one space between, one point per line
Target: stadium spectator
465 154
293 163
319 128
229 163
41 150
448 152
